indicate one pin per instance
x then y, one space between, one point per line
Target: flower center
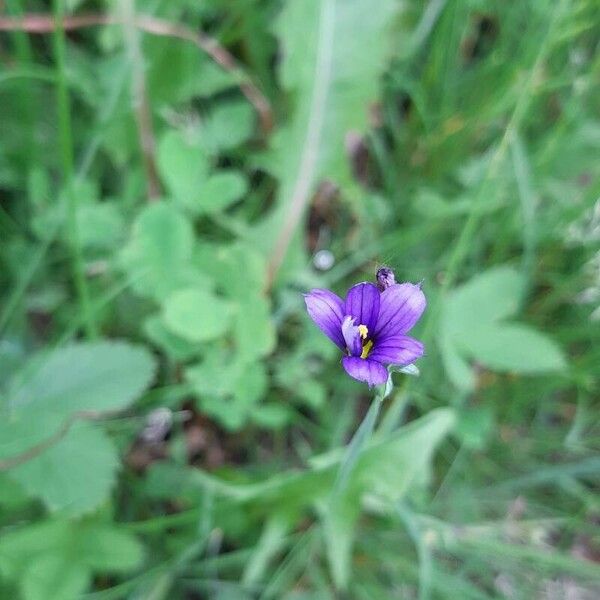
366 349
364 331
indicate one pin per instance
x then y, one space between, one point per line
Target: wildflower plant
370 325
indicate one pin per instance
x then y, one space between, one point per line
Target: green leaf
178 348
332 78
95 376
473 327
158 255
228 125
74 475
77 471
56 577
196 315
221 190
387 468
254 328
226 389
57 558
515 348
474 426
491 296
100 225
183 165
106 548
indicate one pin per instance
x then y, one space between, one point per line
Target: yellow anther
364 332
366 349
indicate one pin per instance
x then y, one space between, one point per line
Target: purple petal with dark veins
362 302
326 310
397 350
352 336
364 369
401 307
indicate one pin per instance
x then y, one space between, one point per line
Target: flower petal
362 302
352 336
397 350
364 369
326 310
402 305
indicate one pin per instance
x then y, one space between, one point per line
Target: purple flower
370 326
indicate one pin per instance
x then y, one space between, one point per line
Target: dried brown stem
141 105
39 23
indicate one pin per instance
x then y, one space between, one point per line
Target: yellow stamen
364 332
366 349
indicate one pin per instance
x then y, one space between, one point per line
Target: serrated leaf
516 348
196 315
97 376
75 472
74 475
158 255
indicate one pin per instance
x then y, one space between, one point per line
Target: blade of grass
67 162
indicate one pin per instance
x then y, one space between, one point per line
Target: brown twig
141 105
39 23
35 451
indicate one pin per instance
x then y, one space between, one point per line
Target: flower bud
385 278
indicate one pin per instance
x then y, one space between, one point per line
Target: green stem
360 440
67 161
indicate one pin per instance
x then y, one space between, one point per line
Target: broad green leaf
95 376
183 166
239 269
158 255
228 125
57 558
74 475
56 577
215 375
75 472
474 426
106 548
491 296
387 468
196 315
220 190
173 345
333 54
517 348
473 327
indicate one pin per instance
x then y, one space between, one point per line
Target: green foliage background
173 175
